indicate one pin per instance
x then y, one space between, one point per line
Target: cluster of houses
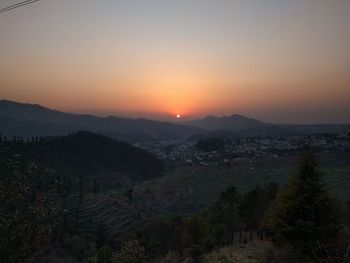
235 150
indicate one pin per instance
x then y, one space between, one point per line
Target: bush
131 252
104 255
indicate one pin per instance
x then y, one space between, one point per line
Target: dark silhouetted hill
94 156
234 122
240 126
29 120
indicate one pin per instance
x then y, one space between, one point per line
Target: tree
195 235
254 204
306 215
224 218
131 252
27 219
104 255
96 187
211 144
100 235
129 193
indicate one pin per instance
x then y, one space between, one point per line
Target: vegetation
88 154
28 220
131 252
211 144
45 198
51 205
87 162
306 215
305 219
215 227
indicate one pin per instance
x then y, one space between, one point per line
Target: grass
190 189
253 252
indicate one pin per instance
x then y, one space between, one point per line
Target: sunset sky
276 60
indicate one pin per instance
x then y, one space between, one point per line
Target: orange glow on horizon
162 61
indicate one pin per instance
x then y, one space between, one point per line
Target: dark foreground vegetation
56 206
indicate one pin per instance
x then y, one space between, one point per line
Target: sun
178 116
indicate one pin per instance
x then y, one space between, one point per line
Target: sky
276 60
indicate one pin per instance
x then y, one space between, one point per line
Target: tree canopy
306 215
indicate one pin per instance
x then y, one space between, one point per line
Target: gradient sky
277 60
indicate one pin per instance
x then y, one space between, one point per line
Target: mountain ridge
57 122
234 122
27 120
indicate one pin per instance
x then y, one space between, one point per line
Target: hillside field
188 189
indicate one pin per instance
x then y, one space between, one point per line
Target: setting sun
178 131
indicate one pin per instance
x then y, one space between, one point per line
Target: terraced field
114 216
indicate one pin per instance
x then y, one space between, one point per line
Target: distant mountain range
233 123
29 120
240 126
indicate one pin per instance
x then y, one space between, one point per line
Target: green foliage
347 213
196 231
129 194
212 144
76 246
214 228
100 235
255 203
223 259
196 237
171 257
28 219
224 217
162 236
230 196
104 255
306 215
131 252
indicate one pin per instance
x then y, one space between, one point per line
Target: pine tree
306 215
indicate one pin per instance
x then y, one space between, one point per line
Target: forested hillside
97 158
53 195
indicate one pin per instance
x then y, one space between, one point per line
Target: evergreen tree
104 255
195 236
254 204
306 215
224 217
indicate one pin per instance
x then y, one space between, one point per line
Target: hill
239 126
234 122
95 157
188 190
34 120
316 128
270 130
28 120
